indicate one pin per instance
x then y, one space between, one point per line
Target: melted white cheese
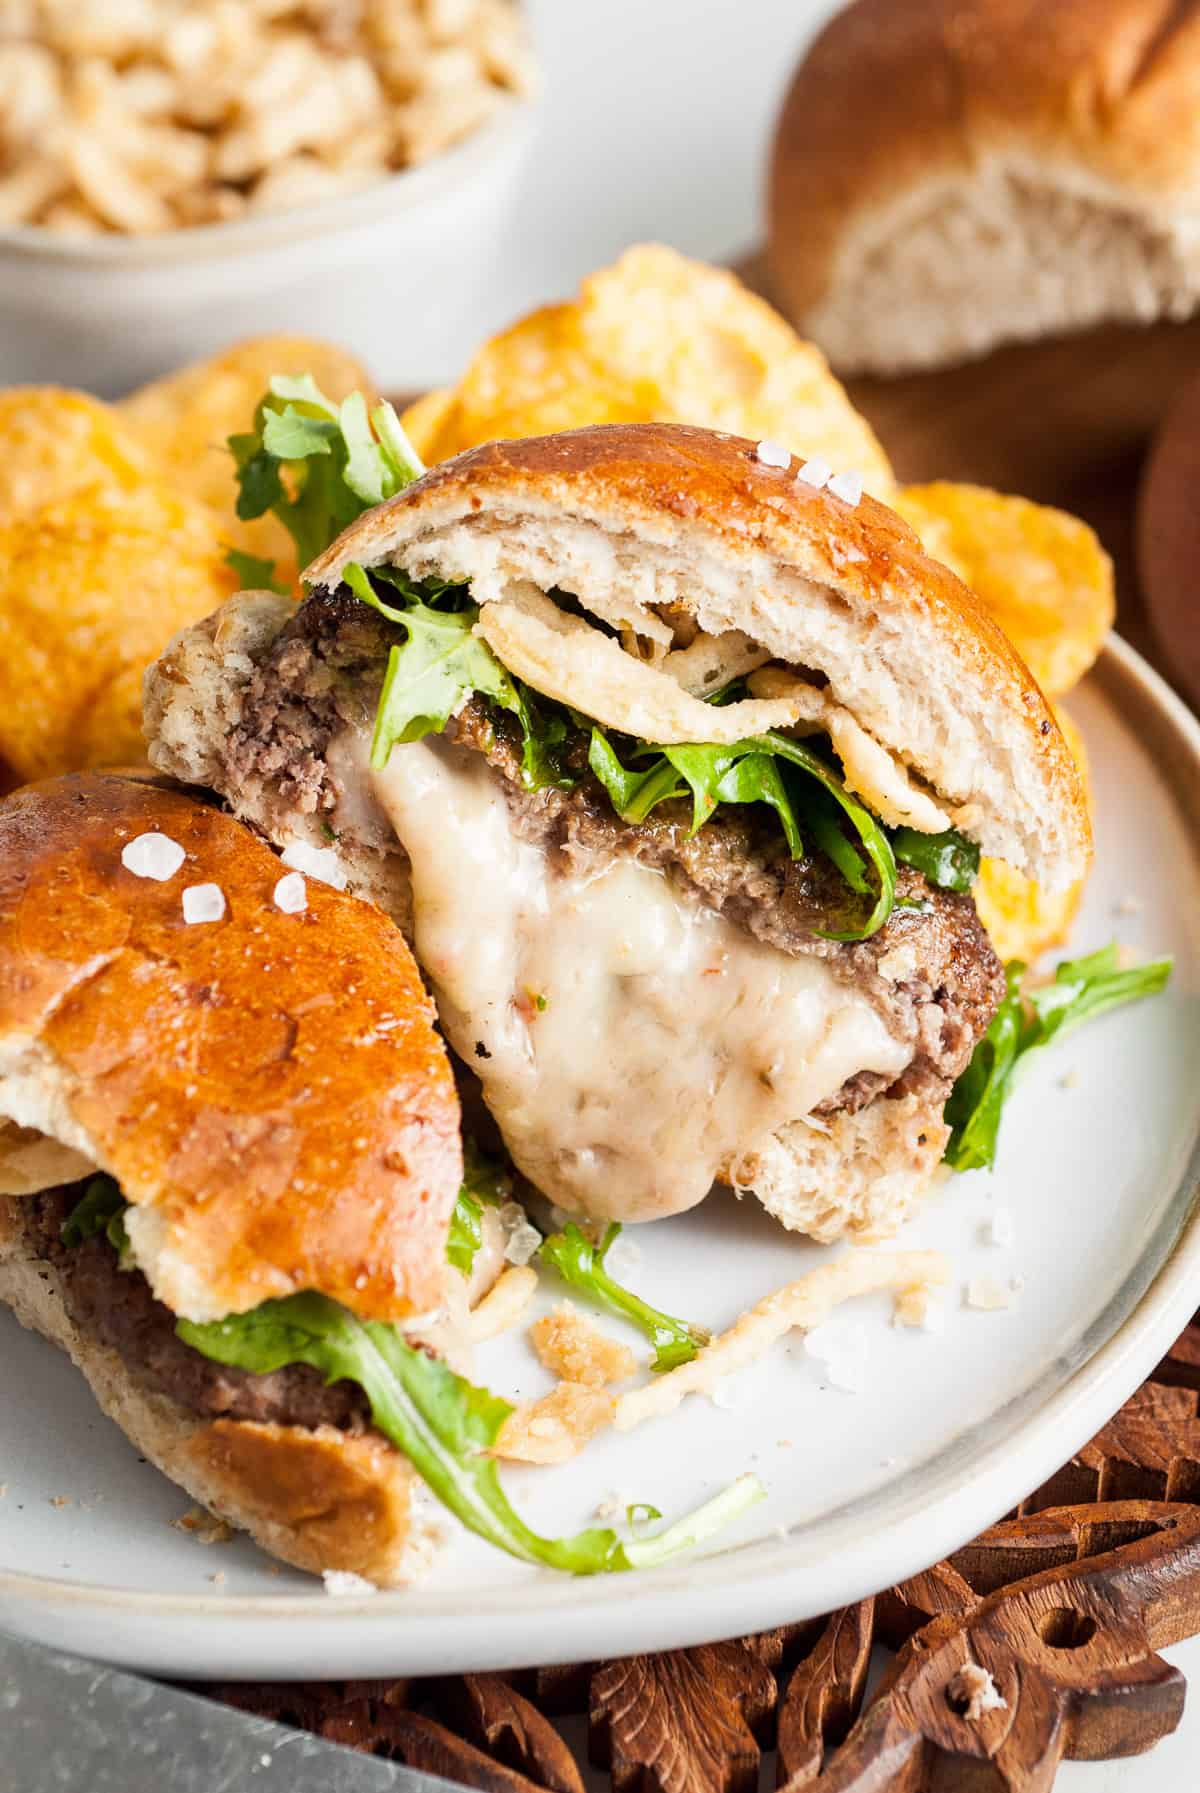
631 1046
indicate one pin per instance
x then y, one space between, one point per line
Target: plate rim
770 1573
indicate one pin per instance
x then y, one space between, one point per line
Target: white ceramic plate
1098 1169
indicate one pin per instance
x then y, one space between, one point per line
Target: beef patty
116 1308
931 970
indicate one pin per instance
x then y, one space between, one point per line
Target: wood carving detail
1037 1641
686 1722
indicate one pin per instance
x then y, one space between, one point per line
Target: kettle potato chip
1021 918
92 586
184 420
1042 573
56 442
656 337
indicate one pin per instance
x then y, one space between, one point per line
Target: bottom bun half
318 1499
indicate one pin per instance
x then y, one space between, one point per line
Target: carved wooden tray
1036 1642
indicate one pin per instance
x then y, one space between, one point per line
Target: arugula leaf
102 1202
948 860
580 1262
254 574
102 1210
1081 989
870 832
486 1183
317 465
443 1424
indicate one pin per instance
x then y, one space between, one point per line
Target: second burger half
673 757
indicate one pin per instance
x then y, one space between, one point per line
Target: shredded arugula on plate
580 1262
1081 989
444 1425
486 1184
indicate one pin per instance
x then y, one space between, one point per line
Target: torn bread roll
273 1116
678 941
957 174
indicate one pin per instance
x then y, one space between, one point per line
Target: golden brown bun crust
891 95
270 1084
317 1499
715 482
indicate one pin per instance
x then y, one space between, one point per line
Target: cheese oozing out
631 1045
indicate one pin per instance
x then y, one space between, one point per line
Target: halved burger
673 758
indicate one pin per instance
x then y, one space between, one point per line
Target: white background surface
657 118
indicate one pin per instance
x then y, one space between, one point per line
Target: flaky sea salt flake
153 855
203 902
291 894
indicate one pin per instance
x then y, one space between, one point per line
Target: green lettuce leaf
1081 990
316 465
948 860
439 665
486 1184
254 574
102 1210
444 1425
102 1202
580 1262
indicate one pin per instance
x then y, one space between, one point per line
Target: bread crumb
572 1348
60 1500
557 1427
1128 905
3 1489
987 1295
919 1307
218 1577
998 1228
1069 1079
840 1346
344 1584
503 1304
974 1690
1128 956
204 1526
613 1506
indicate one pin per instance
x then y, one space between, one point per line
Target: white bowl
387 271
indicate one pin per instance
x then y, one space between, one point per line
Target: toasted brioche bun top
681 520
267 1089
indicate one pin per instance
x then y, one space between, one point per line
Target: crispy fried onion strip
565 658
870 771
804 1304
503 1304
557 1427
